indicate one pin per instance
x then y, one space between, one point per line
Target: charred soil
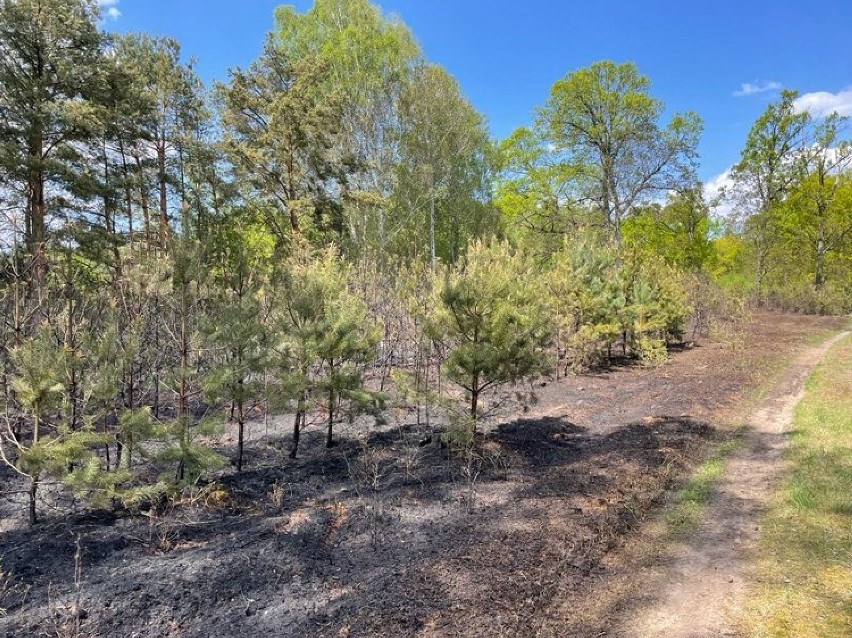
382 535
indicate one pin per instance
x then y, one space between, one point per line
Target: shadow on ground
378 536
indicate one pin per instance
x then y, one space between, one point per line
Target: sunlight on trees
331 231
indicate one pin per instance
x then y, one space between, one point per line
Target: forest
330 241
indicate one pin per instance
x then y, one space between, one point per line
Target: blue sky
724 60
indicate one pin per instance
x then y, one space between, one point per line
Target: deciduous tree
604 119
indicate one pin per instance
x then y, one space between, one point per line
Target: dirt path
700 584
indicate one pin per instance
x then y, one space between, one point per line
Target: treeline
328 232
790 241
594 158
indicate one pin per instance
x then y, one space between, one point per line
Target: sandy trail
701 583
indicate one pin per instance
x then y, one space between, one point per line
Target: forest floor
541 532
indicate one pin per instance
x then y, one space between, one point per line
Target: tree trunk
128 196
156 372
240 432
68 341
297 429
474 402
110 212
432 256
819 275
35 217
164 212
241 420
34 478
143 200
129 405
32 505
329 439
291 192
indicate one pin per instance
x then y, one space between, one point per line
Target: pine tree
586 299
235 330
325 337
51 56
279 130
39 372
655 310
176 102
489 314
57 447
184 302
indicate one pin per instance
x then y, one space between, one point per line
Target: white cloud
749 88
717 194
823 103
110 8
717 185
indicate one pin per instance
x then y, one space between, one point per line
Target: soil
534 534
698 586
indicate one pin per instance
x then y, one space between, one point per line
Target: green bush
586 301
656 311
831 299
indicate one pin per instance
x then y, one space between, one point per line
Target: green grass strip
804 578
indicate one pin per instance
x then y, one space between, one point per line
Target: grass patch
820 336
804 584
685 515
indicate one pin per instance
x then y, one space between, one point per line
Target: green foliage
764 173
442 173
50 73
595 301
489 314
678 232
656 309
121 337
801 296
323 338
729 261
417 182
538 190
186 447
279 131
368 54
55 449
87 476
53 453
40 365
167 113
235 332
793 192
586 300
368 59
605 120
135 427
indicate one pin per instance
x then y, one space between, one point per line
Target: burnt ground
383 536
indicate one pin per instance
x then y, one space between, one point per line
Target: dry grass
12 591
804 586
